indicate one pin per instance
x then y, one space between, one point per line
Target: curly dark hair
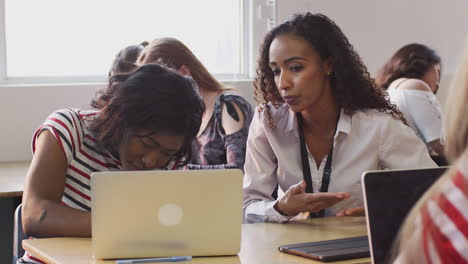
151 98
351 84
410 61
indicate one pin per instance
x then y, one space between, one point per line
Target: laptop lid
166 213
388 197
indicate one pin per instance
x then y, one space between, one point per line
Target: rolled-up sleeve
260 179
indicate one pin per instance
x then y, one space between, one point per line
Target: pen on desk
152 260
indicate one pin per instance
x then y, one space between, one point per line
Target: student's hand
296 200
357 211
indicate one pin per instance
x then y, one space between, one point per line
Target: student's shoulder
415 85
70 117
74 113
233 96
63 114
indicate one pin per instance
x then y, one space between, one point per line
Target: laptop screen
389 196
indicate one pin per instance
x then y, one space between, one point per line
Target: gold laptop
166 213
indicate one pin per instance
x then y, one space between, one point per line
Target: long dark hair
410 61
151 98
125 60
351 84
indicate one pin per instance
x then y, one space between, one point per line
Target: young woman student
323 123
144 120
411 78
221 141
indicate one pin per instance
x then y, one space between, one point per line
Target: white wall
377 28
23 109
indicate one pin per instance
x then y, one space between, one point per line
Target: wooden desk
259 243
12 176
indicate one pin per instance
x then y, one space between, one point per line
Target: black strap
306 167
304 158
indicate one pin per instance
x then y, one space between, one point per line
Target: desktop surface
12 177
259 243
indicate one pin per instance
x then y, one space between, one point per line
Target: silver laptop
166 213
388 197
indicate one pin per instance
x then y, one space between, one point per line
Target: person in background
220 143
411 78
125 60
436 229
324 122
144 120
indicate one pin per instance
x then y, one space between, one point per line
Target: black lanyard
306 167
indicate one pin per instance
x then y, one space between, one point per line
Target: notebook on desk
166 213
388 198
330 250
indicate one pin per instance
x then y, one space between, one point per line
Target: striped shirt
440 231
70 127
444 220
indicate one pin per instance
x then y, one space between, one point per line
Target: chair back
18 236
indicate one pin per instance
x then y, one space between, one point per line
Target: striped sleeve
62 126
445 219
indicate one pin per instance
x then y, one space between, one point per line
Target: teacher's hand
296 200
357 211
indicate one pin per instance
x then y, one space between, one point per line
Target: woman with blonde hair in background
436 230
221 141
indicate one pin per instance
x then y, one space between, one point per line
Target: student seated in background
323 121
145 120
436 229
125 60
411 78
220 143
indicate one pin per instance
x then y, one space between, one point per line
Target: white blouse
367 140
420 108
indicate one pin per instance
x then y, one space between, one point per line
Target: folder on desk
331 250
